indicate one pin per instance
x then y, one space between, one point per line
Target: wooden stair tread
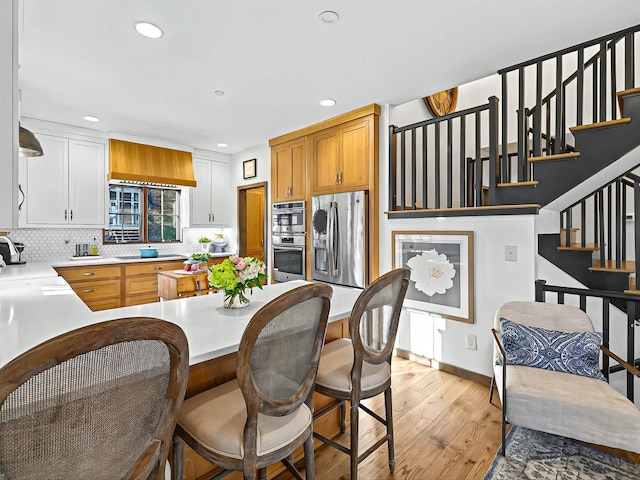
608 123
632 292
557 156
573 229
626 266
577 246
519 184
623 93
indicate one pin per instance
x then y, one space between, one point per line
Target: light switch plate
511 253
472 342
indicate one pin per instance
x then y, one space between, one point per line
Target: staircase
564 127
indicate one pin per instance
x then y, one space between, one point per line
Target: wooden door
255 222
251 220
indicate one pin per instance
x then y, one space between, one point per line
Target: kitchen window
143 215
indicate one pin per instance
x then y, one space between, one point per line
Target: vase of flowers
236 275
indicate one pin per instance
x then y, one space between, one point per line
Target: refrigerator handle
335 239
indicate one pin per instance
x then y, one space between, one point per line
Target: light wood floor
445 429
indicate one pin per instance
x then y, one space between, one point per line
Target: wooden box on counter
179 285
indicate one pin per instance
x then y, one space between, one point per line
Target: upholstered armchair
558 339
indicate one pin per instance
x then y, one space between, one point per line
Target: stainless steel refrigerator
339 238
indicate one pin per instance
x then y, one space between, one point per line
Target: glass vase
238 300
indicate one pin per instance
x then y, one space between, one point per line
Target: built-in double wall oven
288 240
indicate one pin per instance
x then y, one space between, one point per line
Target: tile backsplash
55 244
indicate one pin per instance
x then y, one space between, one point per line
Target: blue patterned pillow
568 352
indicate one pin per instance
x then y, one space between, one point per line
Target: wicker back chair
360 367
99 402
265 414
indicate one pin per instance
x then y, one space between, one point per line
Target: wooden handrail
626 365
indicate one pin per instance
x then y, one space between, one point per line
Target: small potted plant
204 242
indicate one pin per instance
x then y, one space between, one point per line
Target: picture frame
441 265
249 168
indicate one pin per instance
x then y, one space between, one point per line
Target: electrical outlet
511 253
472 343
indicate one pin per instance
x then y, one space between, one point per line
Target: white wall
8 113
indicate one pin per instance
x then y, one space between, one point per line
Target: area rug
541 456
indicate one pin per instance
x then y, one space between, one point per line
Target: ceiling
275 60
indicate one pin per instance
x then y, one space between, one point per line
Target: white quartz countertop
26 271
32 311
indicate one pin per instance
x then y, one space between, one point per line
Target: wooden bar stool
359 368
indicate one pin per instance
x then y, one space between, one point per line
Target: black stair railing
432 166
589 90
606 300
601 219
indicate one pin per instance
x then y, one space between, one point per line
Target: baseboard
445 367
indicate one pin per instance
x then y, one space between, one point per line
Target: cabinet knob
157 268
89 274
88 290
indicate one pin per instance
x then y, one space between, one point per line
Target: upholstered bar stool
360 367
265 414
99 402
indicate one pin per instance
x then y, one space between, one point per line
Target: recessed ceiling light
327 102
90 118
148 30
223 145
329 17
219 93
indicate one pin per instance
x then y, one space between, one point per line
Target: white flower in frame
432 272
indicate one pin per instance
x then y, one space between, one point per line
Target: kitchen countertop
34 310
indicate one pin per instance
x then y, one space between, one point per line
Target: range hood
148 165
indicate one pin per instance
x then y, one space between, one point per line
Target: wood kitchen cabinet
65 186
141 280
342 157
99 286
288 171
210 198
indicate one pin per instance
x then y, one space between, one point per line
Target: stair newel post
601 225
478 160
636 224
557 147
623 220
539 287
618 224
505 158
631 344
605 335
463 163
629 57
392 169
494 171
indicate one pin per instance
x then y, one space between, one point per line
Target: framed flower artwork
441 265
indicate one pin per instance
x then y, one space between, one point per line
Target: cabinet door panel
87 181
281 173
201 194
220 193
298 174
354 166
326 156
46 182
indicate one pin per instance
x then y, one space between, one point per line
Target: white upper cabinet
210 198
65 186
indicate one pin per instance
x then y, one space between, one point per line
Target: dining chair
359 367
265 414
99 402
